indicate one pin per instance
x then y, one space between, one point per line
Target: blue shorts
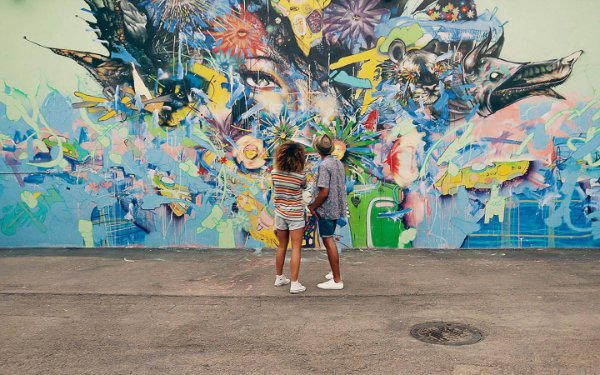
327 227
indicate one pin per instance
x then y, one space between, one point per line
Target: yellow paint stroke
259 229
179 115
95 104
495 174
218 94
168 188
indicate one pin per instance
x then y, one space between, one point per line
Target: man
329 205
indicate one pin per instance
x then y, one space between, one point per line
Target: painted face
266 78
339 149
275 84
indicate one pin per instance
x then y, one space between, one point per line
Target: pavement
183 311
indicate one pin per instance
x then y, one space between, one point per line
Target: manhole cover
446 333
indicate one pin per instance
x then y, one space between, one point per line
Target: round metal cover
446 333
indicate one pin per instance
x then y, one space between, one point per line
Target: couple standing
329 205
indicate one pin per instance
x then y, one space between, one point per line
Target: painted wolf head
474 75
495 83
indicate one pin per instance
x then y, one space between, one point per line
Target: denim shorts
327 227
286 224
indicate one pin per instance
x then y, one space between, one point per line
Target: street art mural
446 143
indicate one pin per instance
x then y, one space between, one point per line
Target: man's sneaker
329 276
281 280
331 284
296 288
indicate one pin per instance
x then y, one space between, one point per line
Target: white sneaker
329 276
331 284
281 280
296 288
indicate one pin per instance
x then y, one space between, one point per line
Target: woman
288 182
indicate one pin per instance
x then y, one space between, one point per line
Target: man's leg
334 258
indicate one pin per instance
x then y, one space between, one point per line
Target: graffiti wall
154 122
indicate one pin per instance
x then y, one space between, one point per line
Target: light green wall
50 23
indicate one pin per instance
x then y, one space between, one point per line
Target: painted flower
172 15
435 16
222 61
353 20
401 163
250 152
453 10
280 133
339 149
448 8
239 35
410 75
352 145
278 129
241 220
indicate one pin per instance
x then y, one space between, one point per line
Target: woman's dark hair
289 157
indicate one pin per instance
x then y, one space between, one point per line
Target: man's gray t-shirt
331 175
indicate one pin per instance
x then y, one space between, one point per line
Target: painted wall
153 122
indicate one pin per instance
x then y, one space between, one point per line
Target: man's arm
323 180
323 194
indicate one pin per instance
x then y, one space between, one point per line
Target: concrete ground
216 312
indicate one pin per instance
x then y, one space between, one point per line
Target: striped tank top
288 188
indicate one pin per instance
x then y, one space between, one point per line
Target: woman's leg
296 236
283 236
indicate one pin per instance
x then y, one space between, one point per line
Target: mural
446 143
